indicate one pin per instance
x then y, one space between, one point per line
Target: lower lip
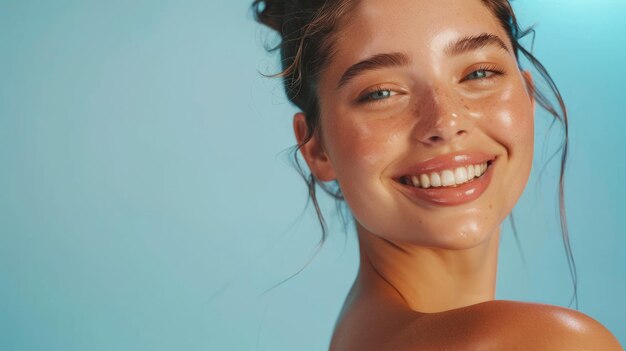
453 196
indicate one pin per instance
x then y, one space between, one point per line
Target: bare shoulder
513 324
493 325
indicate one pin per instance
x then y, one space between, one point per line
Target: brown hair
308 29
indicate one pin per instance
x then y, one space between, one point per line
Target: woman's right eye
376 95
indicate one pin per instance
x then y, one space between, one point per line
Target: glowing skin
431 112
424 266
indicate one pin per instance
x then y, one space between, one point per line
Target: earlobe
312 150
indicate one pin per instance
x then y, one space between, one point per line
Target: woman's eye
481 73
376 95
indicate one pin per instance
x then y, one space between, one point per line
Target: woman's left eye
482 73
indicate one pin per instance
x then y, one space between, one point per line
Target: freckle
466 107
490 206
419 221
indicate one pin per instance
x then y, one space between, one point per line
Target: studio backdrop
148 201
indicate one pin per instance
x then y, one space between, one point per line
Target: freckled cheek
510 123
507 117
360 150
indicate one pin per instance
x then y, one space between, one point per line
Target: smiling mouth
448 178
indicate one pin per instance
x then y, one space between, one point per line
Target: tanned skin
427 273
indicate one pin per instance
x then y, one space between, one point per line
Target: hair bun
270 13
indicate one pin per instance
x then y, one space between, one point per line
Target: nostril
434 138
445 135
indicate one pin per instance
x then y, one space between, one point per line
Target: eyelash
366 97
487 68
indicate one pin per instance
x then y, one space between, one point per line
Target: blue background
147 201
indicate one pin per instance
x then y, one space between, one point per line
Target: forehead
421 28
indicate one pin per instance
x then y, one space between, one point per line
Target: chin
452 228
456 234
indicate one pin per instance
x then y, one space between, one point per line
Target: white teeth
425 181
415 180
435 180
470 172
448 177
461 175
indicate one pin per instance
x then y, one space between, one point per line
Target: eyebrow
397 59
394 59
474 42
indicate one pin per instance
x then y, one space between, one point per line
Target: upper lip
448 161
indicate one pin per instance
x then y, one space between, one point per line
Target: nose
442 117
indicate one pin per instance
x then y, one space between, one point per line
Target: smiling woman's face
418 81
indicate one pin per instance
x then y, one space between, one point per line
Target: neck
430 279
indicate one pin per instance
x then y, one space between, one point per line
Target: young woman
418 115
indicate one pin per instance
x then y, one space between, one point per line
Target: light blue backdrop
146 201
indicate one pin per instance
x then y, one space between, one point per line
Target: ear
313 150
530 86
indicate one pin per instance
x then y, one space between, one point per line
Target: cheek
507 118
514 114
512 125
509 121
361 148
515 122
